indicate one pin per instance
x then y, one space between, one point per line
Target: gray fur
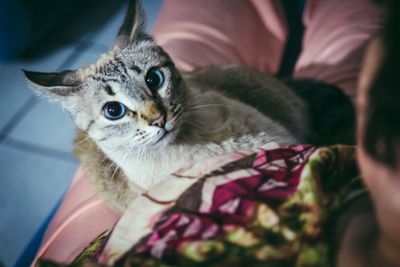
209 112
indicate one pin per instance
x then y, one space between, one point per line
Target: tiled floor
36 139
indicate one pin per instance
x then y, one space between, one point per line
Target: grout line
16 118
29 105
38 149
32 101
71 59
83 46
100 48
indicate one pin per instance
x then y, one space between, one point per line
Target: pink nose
159 121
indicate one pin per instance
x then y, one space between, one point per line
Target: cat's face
131 98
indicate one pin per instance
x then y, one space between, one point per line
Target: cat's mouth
169 132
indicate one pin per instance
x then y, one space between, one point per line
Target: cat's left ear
132 26
54 83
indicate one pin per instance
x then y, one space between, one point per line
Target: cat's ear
55 83
132 26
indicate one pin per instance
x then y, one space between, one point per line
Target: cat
140 119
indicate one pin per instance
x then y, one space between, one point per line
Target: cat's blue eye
154 79
114 110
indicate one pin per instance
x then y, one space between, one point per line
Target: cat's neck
144 169
147 167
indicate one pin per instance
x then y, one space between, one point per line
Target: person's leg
336 35
81 218
219 32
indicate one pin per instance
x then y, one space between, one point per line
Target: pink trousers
254 32
212 32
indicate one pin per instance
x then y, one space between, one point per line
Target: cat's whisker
141 143
176 117
130 149
104 159
109 167
207 106
115 171
80 142
191 102
191 136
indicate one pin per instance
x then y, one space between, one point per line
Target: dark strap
294 13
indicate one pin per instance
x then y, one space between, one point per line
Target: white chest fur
154 167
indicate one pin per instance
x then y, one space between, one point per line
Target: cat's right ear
133 25
58 84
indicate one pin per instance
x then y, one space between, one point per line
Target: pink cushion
80 219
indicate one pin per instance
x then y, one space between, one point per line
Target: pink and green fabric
266 207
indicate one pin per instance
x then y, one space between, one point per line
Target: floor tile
36 183
27 175
46 125
88 55
50 62
14 89
14 92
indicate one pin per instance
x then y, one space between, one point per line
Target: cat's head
132 96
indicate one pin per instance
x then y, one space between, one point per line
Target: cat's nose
159 121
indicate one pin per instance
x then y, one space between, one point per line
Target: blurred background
36 137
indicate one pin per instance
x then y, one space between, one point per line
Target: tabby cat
140 119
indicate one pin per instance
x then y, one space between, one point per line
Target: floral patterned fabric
266 207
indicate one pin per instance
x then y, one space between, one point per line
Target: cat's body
140 119
216 123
